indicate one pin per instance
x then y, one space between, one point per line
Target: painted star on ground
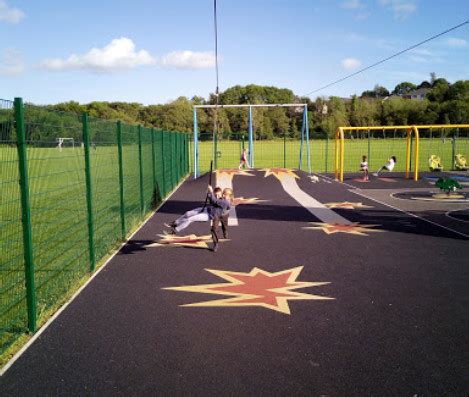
346 205
352 228
256 288
232 172
251 200
280 173
191 240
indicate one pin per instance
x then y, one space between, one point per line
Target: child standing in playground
221 211
244 159
200 214
364 167
389 166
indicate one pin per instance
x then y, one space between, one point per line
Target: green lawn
280 154
59 219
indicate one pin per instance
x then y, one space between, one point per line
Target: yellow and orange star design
352 228
191 241
346 205
280 173
256 288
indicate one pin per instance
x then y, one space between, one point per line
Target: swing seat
460 163
434 163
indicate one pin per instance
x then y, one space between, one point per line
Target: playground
320 288
285 214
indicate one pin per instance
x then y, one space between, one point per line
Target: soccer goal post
65 142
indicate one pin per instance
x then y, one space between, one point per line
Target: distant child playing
364 167
389 166
244 160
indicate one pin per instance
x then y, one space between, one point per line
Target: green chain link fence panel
13 311
79 210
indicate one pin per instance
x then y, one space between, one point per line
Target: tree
404 88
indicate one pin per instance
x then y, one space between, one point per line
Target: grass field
59 218
277 154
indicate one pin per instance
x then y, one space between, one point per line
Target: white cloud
455 42
119 54
189 59
352 4
9 14
350 63
401 8
11 63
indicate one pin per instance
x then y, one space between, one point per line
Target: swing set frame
411 129
304 131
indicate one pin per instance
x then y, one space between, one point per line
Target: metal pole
251 146
308 149
369 149
26 215
216 150
453 149
140 161
327 152
89 191
153 160
301 144
284 149
196 146
163 165
121 178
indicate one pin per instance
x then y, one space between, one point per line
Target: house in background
418 94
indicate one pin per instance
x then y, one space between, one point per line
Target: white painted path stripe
318 209
18 354
408 213
225 180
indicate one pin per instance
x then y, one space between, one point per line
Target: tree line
444 103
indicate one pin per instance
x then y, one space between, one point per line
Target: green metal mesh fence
13 318
87 183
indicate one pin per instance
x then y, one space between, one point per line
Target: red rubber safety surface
396 326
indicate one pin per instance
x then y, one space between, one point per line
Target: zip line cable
216 43
388 58
215 118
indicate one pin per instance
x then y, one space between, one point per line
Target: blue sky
152 51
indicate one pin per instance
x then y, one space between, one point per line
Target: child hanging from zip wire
221 211
200 214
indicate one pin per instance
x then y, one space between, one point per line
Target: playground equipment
434 163
460 163
413 135
304 138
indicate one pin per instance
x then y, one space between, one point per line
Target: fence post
327 151
284 149
216 152
153 158
89 191
142 204
121 178
25 215
162 157
453 149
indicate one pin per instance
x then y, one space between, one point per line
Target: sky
153 51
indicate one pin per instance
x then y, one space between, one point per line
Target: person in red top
244 160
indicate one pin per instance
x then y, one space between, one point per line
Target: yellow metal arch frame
340 144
